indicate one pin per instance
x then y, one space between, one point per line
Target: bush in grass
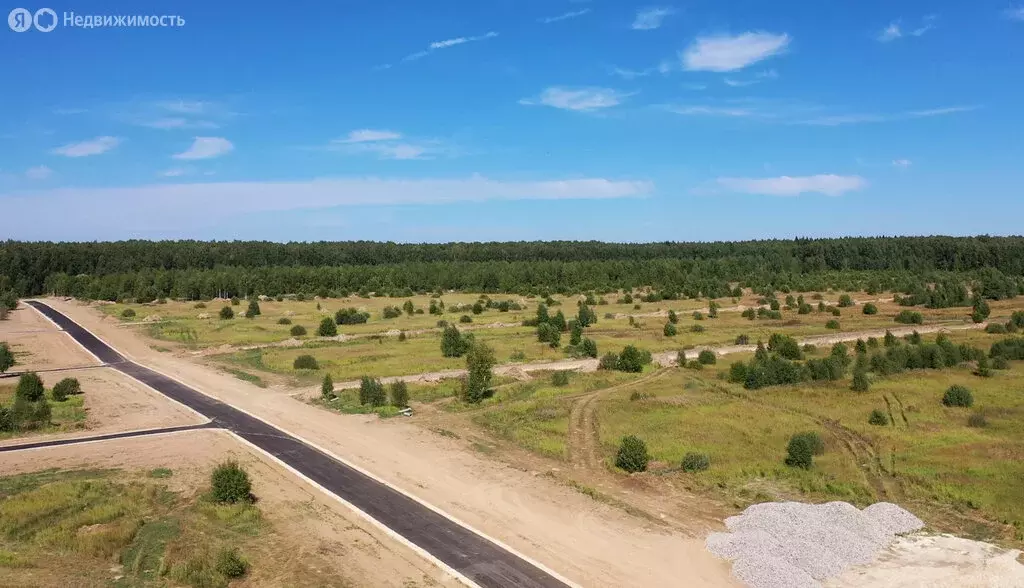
351 316
235 301
742 340
695 462
673 317
977 420
402 336
809 349
391 312
479 365
298 331
814 440
669 330
845 300
253 310
588 347
6 358
371 392
453 344
409 308
226 313
870 308
860 381
693 364
631 360
230 483
833 324
958 396
399 392
230 564
128 313
284 321
560 378
799 453
327 388
995 329
30 387
1000 363
707 357
305 362
872 342
41 413
785 346
465 319
66 387
609 361
632 456
909 317
697 328
878 418
327 328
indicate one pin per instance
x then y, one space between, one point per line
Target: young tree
452 342
227 313
981 309
30 387
586 316
409 308
327 388
542 314
632 456
958 396
845 300
479 362
669 330
878 418
630 360
399 394
558 321
860 380
371 392
707 357
6 358
588 347
66 387
254 309
799 452
576 331
870 308
673 317
547 333
327 328
230 483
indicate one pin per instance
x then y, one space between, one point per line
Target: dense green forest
197 269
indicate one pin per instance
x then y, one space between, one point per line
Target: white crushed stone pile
796 545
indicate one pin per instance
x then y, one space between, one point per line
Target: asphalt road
107 437
475 557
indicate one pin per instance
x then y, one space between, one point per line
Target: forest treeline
198 269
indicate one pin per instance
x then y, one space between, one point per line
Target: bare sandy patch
587 541
313 529
39 345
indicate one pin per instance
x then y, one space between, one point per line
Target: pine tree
327 388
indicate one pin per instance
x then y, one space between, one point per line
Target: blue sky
439 120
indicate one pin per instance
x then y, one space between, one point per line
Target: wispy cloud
179 208
711 111
724 53
942 111
890 33
790 112
579 99
186 106
663 68
902 163
1015 13
174 172
206 148
566 16
387 145
86 148
437 45
651 18
895 30
178 123
39 172
770 74
848 119
826 184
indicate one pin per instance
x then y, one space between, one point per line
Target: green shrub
799 453
399 391
742 340
305 362
66 387
697 328
30 387
465 319
995 329
235 301
669 330
609 361
707 357
958 396
128 313
833 324
870 308
284 321
298 331
230 564
1000 363
588 347
845 300
673 317
860 381
809 349
371 392
695 462
909 317
631 360
327 328
6 357
814 440
253 310
835 311
878 418
226 313
351 316
480 362
560 378
453 344
632 456
327 388
230 483
693 364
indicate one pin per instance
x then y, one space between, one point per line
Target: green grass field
68 415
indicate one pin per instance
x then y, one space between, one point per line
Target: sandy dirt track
591 543
314 528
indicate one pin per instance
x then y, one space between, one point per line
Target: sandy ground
590 543
937 561
314 529
113 401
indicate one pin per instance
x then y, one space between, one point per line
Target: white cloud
566 16
579 99
178 123
39 172
846 119
650 18
903 163
827 184
942 111
663 68
890 33
174 172
186 106
362 135
436 45
181 207
724 53
711 111
206 148
85 148
1015 13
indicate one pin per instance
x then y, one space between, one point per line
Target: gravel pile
795 545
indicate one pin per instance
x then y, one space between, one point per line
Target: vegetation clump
305 362
878 418
230 483
632 455
958 396
695 462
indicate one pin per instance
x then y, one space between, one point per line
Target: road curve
476 558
